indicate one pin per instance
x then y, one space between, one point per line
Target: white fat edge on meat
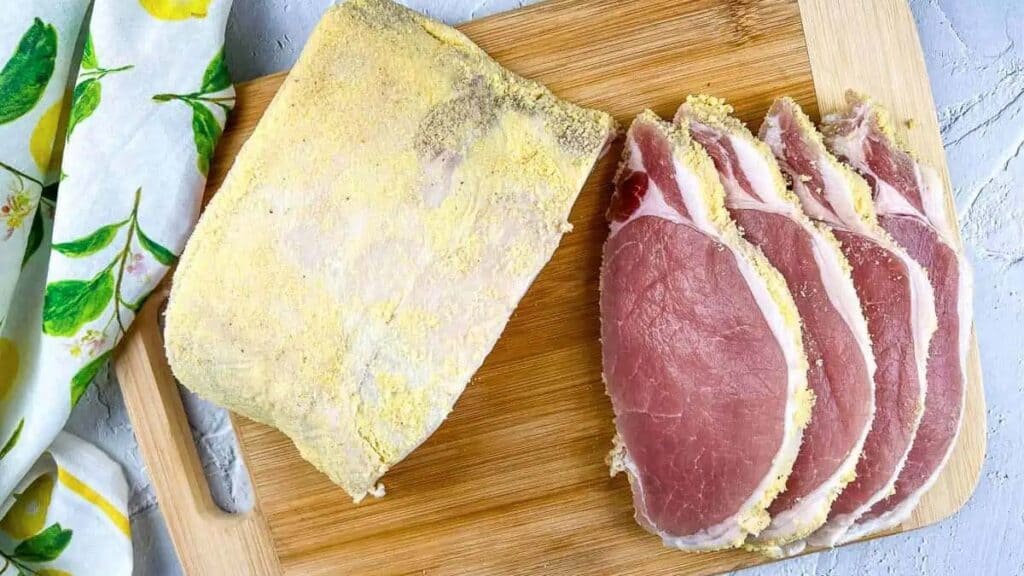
653 203
758 164
850 196
902 512
768 185
865 115
936 215
788 528
712 115
755 268
846 192
771 134
933 195
727 534
887 200
703 198
764 175
812 511
923 325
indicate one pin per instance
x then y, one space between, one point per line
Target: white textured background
975 55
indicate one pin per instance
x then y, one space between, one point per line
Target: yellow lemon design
28 515
43 136
8 367
176 9
51 572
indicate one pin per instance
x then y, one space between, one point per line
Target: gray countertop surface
975 56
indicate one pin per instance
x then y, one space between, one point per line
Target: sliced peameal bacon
896 299
702 353
911 204
835 334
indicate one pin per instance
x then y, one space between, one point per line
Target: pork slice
911 204
701 345
895 296
841 365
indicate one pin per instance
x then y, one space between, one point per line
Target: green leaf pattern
89 91
84 101
216 77
45 546
70 305
12 441
35 238
92 313
162 255
38 545
206 131
81 380
25 75
92 243
89 61
206 128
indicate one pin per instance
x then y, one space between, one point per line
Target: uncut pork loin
895 295
911 204
835 335
701 345
373 237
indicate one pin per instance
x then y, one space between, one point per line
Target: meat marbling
702 353
895 295
911 203
835 334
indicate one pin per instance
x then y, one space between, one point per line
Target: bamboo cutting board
515 480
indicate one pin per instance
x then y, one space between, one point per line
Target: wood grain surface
515 480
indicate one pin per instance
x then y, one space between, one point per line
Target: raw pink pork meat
702 354
911 204
896 299
835 334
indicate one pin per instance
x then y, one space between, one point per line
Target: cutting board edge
842 57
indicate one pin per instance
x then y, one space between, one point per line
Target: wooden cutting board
515 480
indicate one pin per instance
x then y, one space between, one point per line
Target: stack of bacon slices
785 324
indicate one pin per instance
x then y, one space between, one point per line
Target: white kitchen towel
150 102
69 516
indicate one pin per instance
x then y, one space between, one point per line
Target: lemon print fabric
26 524
28 515
133 170
41 143
37 41
131 135
57 521
9 363
176 9
24 77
